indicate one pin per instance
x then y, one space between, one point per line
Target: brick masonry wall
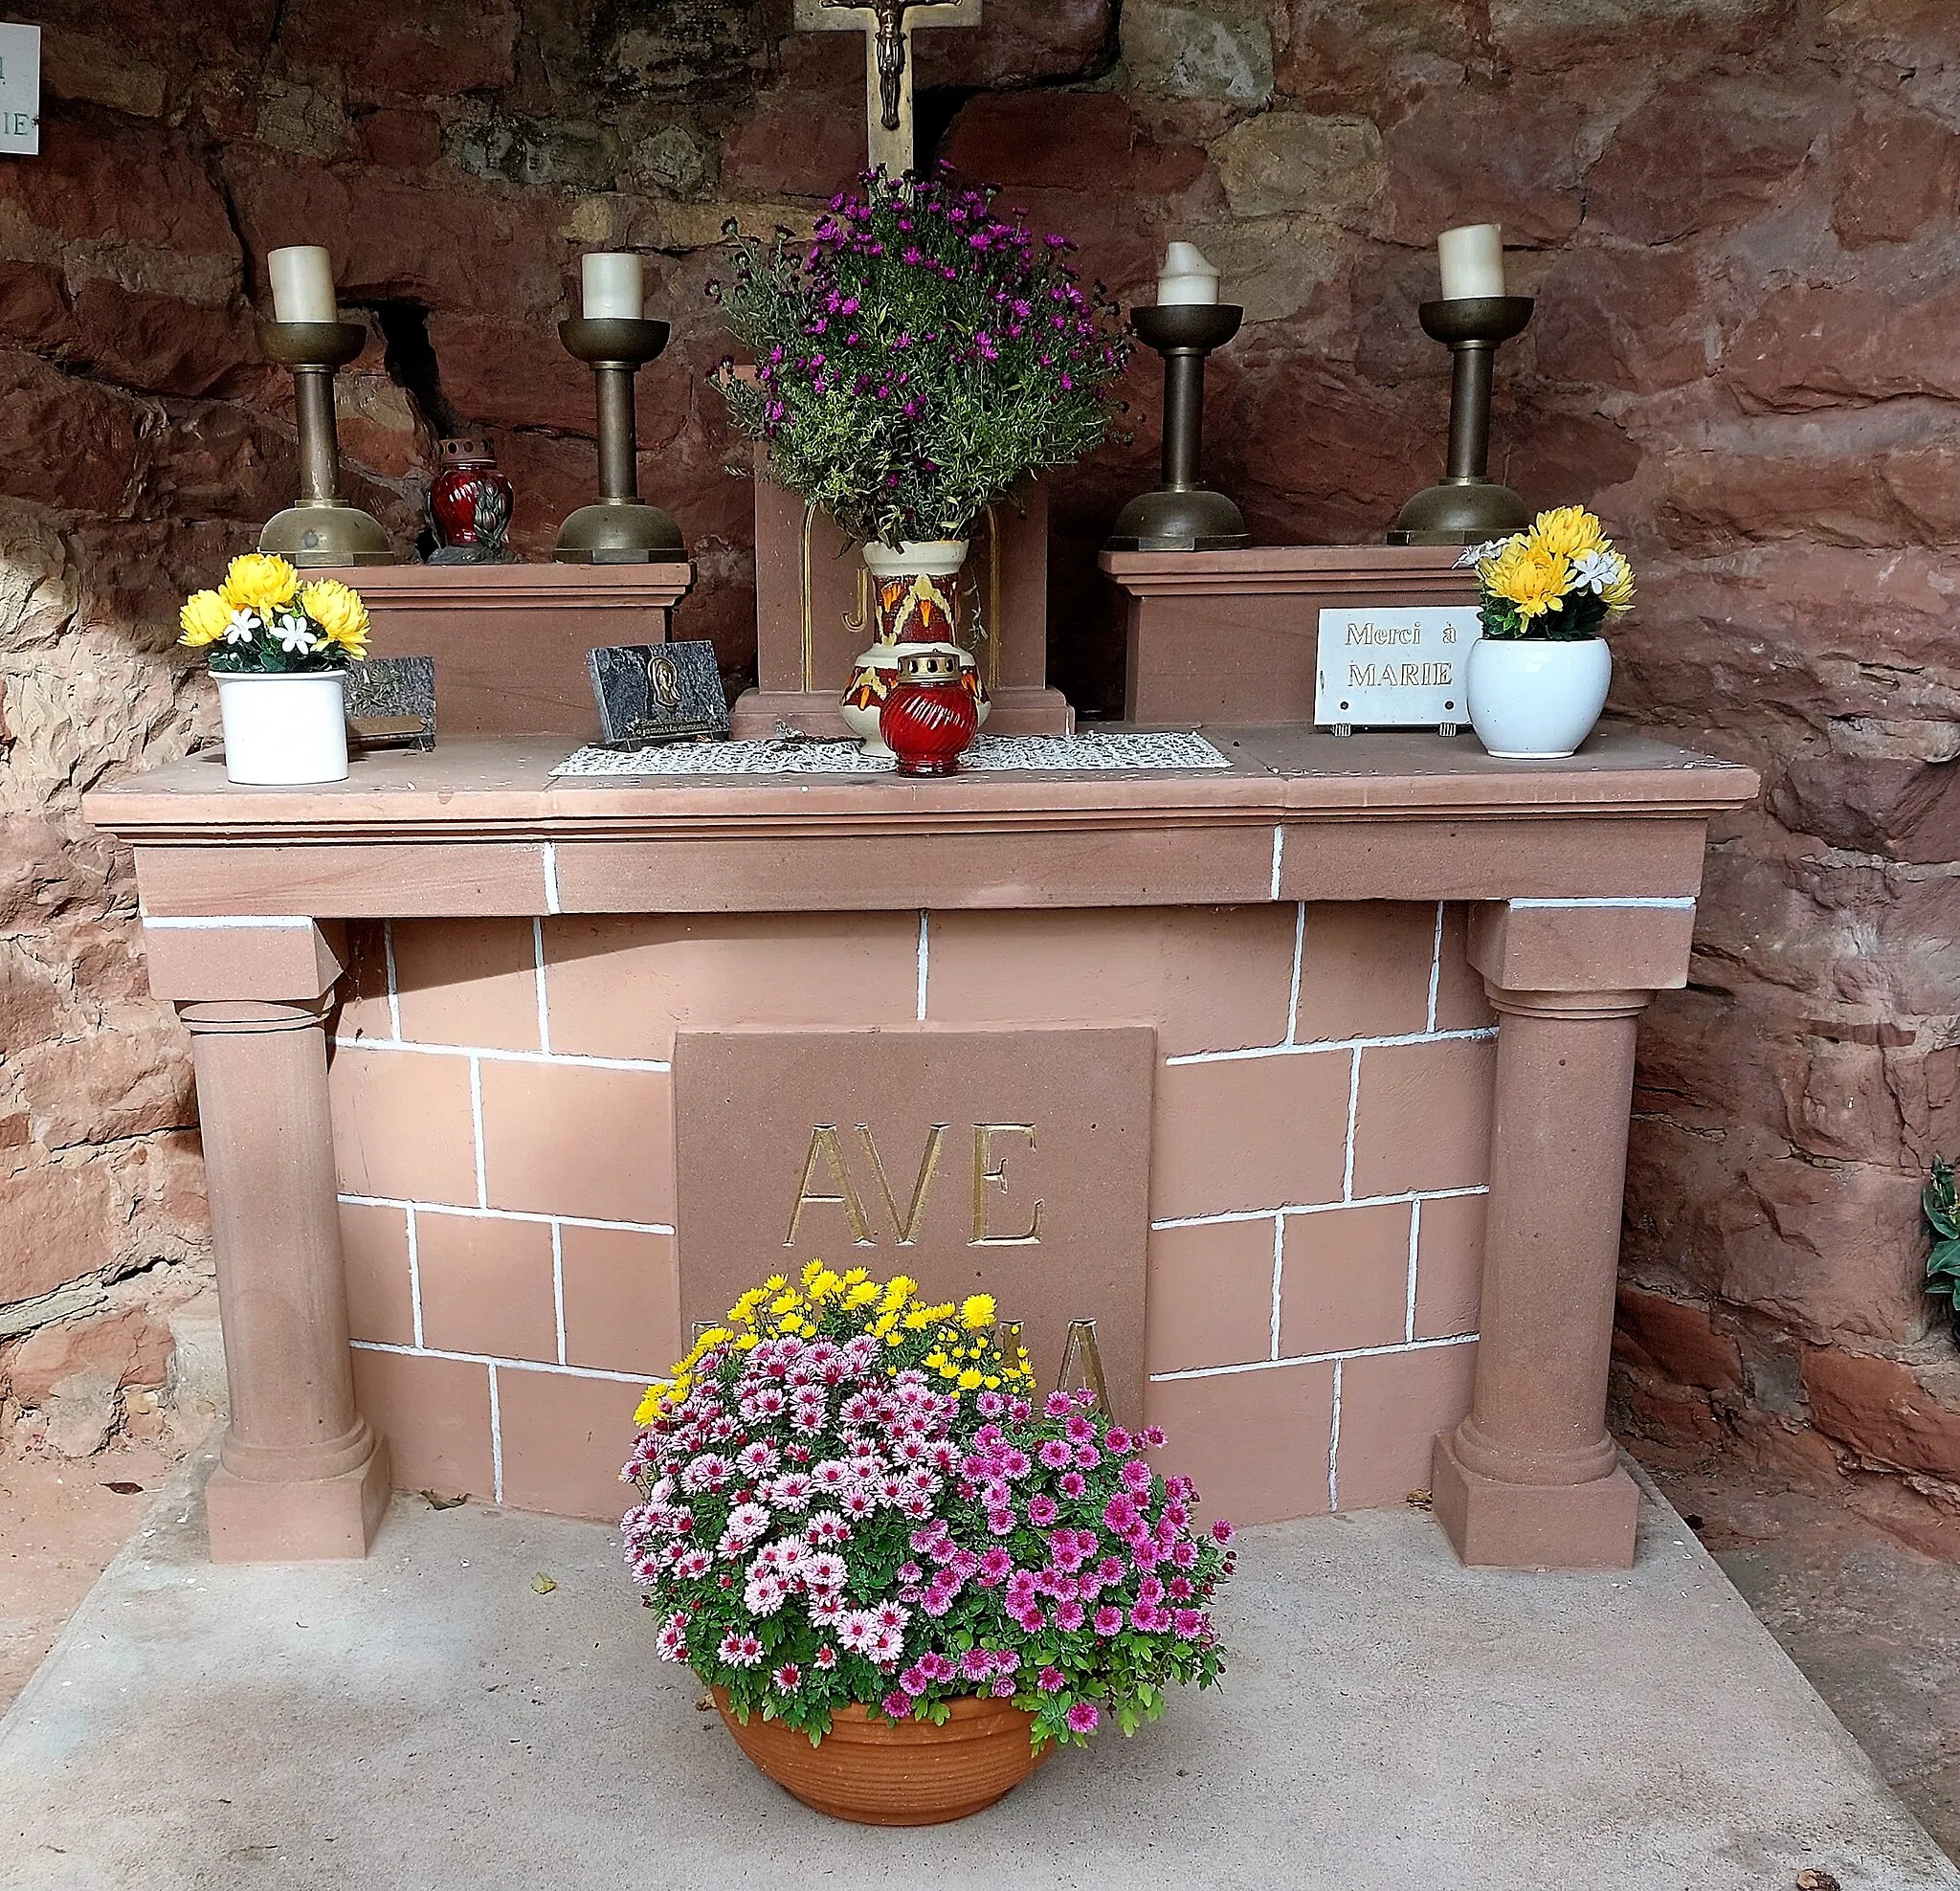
503 1115
1739 216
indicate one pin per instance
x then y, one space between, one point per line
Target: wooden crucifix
888 26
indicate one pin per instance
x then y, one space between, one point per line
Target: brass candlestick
1467 508
1181 515
322 528
619 529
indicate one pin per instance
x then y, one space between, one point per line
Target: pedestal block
302 1477
812 618
1233 636
510 641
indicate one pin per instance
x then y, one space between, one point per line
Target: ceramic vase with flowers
904 1575
913 364
1538 676
279 650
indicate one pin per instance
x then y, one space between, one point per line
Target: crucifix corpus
888 26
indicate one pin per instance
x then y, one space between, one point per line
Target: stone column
1531 1477
300 1475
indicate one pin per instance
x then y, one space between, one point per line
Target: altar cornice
480 827
501 788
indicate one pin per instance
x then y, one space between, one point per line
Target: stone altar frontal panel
1014 1162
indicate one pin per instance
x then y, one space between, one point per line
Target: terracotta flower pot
872 1772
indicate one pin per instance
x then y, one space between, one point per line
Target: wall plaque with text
20 89
1015 1162
1394 667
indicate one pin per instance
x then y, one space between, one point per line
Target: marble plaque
1014 1163
659 692
1393 666
392 702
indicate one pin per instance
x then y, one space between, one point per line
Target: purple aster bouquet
851 1496
919 359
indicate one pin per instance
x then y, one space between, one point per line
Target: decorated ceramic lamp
307 335
613 335
1473 319
1187 324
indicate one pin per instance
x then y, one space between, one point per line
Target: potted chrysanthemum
905 1577
1538 676
912 365
279 650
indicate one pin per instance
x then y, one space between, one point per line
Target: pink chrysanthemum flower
1084 1717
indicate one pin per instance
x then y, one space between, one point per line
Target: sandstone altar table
1332 1048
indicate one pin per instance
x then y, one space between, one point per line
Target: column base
1492 1525
319 1519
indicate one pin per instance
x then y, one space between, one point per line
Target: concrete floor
1391 1719
1873 1624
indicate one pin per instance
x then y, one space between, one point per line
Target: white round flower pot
1532 699
284 730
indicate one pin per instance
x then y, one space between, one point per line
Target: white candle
1472 260
614 287
1187 276
302 284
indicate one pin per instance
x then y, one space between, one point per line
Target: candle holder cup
1181 515
619 529
322 528
1468 508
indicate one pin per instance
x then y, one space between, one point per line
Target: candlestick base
326 531
1460 512
1170 521
619 531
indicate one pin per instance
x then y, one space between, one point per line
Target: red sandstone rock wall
1739 215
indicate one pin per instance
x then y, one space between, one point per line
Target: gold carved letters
983 1134
990 1171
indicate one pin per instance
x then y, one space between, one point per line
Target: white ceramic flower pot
284 730
1532 699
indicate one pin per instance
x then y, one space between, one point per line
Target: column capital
1582 945
277 957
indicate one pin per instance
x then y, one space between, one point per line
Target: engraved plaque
1387 666
1014 1163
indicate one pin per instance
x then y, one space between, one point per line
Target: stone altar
1393 985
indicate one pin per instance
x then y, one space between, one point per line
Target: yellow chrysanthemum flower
1570 531
861 1295
650 1406
970 1380
749 1342
255 581
204 618
1530 577
827 1285
976 1312
856 1277
337 609
1619 594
